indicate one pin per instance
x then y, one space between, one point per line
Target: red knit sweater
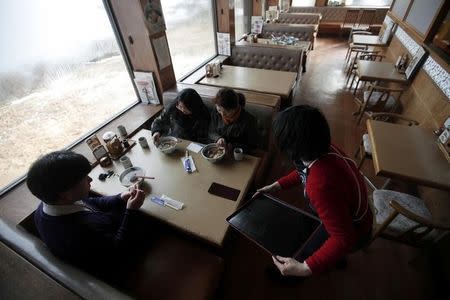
331 187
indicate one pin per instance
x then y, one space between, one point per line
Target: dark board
277 227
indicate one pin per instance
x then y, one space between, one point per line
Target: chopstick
146 177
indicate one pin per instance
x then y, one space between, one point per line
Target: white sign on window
223 43
257 24
146 87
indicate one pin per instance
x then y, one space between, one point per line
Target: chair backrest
302 32
367 18
264 114
266 58
351 17
76 280
299 18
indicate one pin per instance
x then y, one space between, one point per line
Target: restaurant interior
379 72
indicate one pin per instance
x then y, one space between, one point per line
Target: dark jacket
174 123
243 133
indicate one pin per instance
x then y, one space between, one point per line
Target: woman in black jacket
187 118
231 123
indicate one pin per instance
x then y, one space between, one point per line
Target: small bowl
167 144
211 148
127 174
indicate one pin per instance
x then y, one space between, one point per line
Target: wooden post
140 46
225 18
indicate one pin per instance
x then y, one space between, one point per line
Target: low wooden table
378 71
368 40
304 46
251 79
203 214
408 153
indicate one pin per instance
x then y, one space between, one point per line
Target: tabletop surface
408 152
375 70
258 80
203 214
370 40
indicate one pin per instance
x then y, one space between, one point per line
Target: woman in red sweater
332 184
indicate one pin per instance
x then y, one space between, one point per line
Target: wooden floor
387 270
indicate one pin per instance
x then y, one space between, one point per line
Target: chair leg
386 184
385 224
357 84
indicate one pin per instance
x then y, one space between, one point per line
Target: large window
303 2
61 75
242 11
368 2
190 33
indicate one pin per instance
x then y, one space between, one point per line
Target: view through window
61 75
242 10
190 33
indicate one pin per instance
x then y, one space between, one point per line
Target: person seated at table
93 233
333 186
231 124
187 118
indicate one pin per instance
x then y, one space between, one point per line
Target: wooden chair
377 99
351 47
351 19
365 147
371 55
404 218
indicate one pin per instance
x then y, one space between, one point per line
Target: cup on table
126 162
143 142
238 153
122 130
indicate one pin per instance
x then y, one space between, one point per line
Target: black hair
192 100
55 173
229 99
302 132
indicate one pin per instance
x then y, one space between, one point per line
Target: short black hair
229 99
56 172
302 132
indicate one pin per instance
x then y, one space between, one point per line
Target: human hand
155 137
221 142
269 188
136 199
291 267
128 193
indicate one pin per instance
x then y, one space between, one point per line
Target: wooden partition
423 101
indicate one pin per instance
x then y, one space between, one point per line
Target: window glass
241 18
368 2
61 75
303 2
190 33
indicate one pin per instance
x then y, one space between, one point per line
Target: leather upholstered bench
174 268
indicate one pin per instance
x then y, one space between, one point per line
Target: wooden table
251 79
408 153
304 46
203 214
368 40
378 71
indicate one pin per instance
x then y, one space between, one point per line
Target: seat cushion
400 224
389 105
367 144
